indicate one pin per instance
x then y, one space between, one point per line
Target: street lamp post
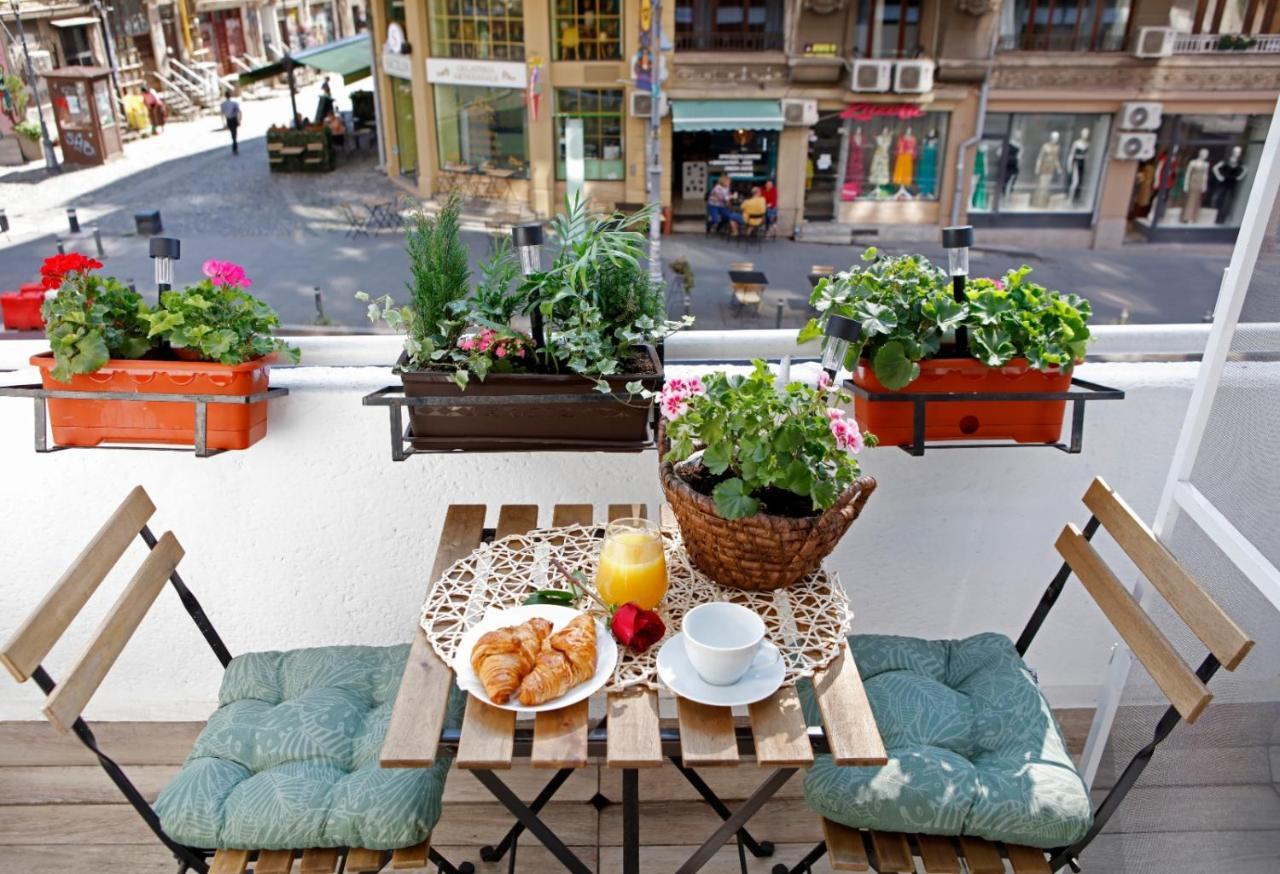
50 159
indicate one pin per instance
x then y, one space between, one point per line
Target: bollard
320 317
4 222
61 249
97 242
778 321
133 286
72 221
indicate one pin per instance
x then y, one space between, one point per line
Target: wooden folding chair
24 653
863 849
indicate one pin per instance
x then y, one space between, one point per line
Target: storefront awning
349 58
691 115
78 21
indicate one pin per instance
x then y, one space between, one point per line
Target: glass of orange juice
632 565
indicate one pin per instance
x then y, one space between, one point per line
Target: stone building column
540 135
424 108
385 105
345 23
159 46
1113 204
793 158
271 34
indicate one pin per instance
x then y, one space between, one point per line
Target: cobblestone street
288 231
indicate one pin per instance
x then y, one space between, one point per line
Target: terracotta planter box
593 422
21 309
92 422
1024 422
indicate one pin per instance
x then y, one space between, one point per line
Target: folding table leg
737 820
759 849
630 821
495 852
530 820
805 865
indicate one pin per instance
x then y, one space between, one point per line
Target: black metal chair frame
1060 857
189 858
356 224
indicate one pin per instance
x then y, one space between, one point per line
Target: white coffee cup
722 641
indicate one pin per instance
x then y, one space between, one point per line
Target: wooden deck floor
59 813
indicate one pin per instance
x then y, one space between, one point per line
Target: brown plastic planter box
594 422
1028 421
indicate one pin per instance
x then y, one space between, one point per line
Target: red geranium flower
637 628
55 268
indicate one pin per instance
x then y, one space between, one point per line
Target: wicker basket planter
761 552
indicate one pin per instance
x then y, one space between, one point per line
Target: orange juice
632 566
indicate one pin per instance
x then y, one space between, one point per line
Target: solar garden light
528 243
840 332
164 251
957 240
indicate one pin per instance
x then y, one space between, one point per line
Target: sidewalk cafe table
477 569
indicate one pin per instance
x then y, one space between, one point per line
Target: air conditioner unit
913 77
1141 116
871 76
1135 146
800 113
642 104
1154 42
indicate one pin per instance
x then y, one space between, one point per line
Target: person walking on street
231 114
154 107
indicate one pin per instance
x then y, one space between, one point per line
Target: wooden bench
1186 688
25 651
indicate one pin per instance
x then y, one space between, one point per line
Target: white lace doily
807 621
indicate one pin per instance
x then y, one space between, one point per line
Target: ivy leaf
716 457
892 366
732 501
460 377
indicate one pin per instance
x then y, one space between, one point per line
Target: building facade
1084 122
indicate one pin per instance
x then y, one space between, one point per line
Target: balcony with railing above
1225 43
715 41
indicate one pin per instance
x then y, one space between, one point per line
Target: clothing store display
905 161
1012 163
1195 181
1048 165
1228 175
879 174
979 200
853 168
1079 155
927 171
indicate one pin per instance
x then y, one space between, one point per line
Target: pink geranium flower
673 406
225 273
824 381
694 386
675 385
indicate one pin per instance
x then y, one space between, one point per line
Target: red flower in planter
637 628
55 268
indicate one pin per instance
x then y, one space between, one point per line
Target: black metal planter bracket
41 395
1081 392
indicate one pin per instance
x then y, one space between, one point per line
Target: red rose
55 268
637 628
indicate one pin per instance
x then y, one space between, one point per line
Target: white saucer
678 675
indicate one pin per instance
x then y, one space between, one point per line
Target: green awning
726 115
350 58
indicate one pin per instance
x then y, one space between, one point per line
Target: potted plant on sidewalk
14 102
212 338
763 480
597 313
1021 338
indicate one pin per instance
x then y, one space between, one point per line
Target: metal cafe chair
864 848
64 705
356 224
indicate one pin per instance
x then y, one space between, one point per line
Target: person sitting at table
718 211
335 124
771 202
752 213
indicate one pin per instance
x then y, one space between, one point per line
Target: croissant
502 657
567 658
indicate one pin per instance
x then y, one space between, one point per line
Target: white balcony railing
1215 43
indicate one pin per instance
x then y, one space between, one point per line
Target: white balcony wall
314 536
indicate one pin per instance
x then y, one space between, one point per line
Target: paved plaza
289 232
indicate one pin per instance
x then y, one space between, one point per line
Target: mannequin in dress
927 169
1195 183
1227 176
1079 154
1048 165
1012 161
879 173
904 163
979 199
853 172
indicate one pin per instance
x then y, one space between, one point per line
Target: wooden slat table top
560 737
706 734
938 855
634 740
846 713
778 727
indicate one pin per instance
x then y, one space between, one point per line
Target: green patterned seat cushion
289 760
973 747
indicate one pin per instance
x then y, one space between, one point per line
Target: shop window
1065 25
892 158
1202 172
601 114
481 128
483 29
1038 163
587 30
729 25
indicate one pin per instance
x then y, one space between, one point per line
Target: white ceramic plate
559 617
678 675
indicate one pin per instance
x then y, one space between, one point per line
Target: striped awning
694 115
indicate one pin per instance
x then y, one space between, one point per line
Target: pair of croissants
531 663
